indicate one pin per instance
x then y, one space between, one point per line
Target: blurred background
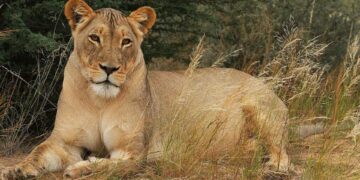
307 50
36 27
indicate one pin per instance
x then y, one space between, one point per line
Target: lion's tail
311 129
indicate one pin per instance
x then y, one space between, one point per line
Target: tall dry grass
5 33
25 114
350 81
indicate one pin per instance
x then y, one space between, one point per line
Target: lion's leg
274 133
49 156
272 129
94 165
127 152
122 163
279 159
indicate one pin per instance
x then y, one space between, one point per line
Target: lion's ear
77 12
145 17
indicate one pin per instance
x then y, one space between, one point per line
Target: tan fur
126 119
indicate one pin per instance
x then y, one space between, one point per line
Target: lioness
110 102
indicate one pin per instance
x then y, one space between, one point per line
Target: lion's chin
105 90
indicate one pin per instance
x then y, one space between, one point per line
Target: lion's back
211 90
210 85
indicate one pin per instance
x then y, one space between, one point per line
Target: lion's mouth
106 82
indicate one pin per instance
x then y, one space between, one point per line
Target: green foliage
250 25
32 32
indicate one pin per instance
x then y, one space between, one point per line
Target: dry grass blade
196 56
2 107
351 76
219 62
195 61
5 33
28 84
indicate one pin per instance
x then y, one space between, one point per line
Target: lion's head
107 43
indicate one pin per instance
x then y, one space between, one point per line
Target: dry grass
27 109
5 33
2 107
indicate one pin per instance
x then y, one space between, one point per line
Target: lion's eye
95 38
126 42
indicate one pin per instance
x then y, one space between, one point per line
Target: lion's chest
106 133
120 129
85 135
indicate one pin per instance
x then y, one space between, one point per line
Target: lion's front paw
77 170
21 171
277 167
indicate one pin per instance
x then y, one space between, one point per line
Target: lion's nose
108 69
